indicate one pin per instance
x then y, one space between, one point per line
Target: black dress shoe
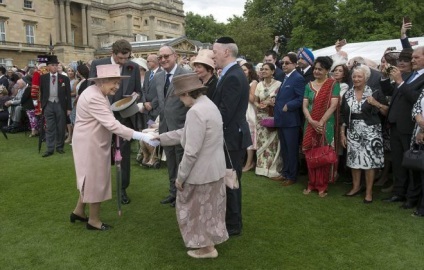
124 198
417 214
168 199
234 232
74 217
367 202
353 194
408 205
47 154
173 204
394 199
60 151
104 227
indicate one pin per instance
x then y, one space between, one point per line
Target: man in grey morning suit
55 97
121 53
172 113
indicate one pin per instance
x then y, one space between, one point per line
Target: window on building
30 33
2 31
73 37
31 63
27 4
2 62
1 1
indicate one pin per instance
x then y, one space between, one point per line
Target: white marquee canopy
371 49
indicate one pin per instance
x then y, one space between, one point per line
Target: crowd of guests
220 112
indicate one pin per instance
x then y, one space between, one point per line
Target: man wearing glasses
172 113
287 111
121 54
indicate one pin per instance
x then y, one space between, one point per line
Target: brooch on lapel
130 67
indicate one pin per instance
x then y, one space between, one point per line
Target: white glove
140 107
145 137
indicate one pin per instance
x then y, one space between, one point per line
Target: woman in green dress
319 104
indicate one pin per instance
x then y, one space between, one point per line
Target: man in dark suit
172 113
404 94
287 110
150 95
55 98
271 57
231 97
121 53
304 63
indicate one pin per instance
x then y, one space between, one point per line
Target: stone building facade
76 29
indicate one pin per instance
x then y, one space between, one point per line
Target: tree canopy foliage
311 23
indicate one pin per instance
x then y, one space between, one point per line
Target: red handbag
320 156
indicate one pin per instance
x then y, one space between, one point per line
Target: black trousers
174 155
407 183
233 217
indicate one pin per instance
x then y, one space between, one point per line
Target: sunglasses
165 56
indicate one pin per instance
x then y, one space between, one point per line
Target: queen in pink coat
91 145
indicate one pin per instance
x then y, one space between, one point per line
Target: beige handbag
230 178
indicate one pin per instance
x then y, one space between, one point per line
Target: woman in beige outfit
91 144
201 195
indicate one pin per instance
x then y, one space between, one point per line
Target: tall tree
276 14
203 28
314 24
251 36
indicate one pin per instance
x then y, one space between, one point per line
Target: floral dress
364 142
268 162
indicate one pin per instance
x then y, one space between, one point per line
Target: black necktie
167 82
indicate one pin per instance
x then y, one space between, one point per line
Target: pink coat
91 144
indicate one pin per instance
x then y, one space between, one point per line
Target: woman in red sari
319 104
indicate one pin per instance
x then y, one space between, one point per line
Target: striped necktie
152 74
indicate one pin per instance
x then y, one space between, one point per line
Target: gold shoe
195 254
307 191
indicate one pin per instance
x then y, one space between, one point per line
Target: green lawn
283 229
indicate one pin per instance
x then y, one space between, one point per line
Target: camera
282 39
388 69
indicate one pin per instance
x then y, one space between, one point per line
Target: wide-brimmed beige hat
186 83
204 56
141 62
108 71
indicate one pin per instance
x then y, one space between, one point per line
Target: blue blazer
291 94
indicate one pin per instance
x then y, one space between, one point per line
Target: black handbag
413 159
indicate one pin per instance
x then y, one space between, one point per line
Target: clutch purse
267 122
413 159
230 178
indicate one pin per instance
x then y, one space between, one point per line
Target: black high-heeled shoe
353 194
74 217
104 227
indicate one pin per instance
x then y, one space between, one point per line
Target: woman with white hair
361 130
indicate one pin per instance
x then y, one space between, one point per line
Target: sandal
307 191
322 194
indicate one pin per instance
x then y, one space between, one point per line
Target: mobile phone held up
406 19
